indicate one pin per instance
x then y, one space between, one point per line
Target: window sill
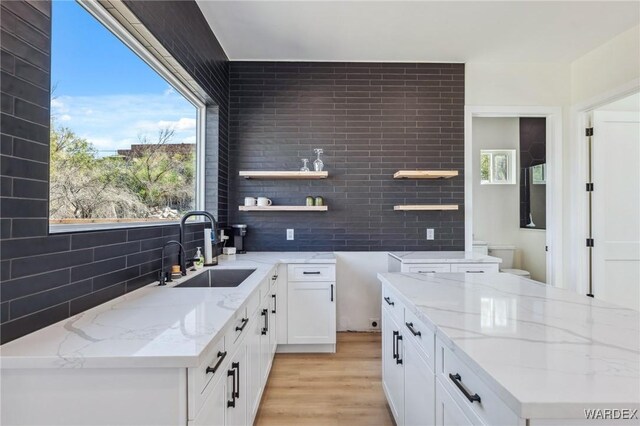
67 228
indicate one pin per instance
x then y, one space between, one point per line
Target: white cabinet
392 371
280 302
427 268
448 413
236 389
311 305
474 268
254 358
419 387
272 303
214 406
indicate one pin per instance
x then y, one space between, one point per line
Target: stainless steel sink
218 278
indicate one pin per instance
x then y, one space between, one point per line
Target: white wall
359 292
607 67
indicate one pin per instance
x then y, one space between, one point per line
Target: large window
123 140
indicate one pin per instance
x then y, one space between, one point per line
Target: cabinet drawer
202 377
427 268
311 272
422 335
391 302
237 328
474 268
457 378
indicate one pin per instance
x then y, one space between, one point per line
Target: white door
273 320
236 388
419 387
311 312
392 370
616 207
212 412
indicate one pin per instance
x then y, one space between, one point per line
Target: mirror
533 173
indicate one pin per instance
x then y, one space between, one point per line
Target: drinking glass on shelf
304 167
318 164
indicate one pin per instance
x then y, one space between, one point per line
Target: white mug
249 201
264 201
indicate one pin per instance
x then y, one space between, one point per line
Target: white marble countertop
150 327
547 352
443 257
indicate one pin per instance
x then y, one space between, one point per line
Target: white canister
249 201
264 201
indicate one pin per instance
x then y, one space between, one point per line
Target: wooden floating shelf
283 175
425 174
426 207
283 208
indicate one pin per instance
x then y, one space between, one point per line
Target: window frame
104 17
511 166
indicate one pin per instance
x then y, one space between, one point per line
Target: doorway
613 193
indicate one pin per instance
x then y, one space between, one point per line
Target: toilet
504 252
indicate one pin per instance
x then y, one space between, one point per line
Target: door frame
553 117
578 258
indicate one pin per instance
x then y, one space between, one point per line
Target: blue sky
105 92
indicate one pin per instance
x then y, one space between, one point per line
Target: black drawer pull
244 324
221 357
395 354
232 373
265 314
311 273
413 330
332 292
457 380
426 272
273 311
389 302
398 359
474 272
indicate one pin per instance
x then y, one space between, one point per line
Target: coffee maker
239 231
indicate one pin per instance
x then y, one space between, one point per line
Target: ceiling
416 31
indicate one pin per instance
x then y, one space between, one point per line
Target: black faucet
214 227
165 277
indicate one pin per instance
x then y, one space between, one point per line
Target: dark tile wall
371 119
46 278
183 31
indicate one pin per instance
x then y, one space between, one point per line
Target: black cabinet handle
426 272
332 292
274 277
398 359
311 273
395 335
458 382
265 329
232 373
273 311
474 272
221 357
389 302
236 365
244 324
413 330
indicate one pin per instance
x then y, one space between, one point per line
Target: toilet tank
504 252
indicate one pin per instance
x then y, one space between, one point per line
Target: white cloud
182 124
65 117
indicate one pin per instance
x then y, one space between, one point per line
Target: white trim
553 116
578 260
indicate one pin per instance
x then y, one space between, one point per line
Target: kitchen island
169 355
495 348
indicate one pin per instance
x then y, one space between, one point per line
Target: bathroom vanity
497 349
424 262
183 354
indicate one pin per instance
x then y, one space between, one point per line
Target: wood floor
344 388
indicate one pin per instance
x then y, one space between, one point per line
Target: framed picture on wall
539 174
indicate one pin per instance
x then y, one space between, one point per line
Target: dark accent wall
533 151
371 119
46 278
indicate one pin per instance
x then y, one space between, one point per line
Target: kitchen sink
218 278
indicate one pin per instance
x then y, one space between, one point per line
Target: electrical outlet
290 236
430 234
374 322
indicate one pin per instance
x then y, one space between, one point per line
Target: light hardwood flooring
344 388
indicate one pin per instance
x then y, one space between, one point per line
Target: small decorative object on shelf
319 201
309 201
318 165
304 167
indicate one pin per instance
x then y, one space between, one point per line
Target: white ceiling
415 31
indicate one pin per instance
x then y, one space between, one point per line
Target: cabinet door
213 409
448 413
419 387
311 310
281 304
254 359
273 320
236 388
265 343
392 371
